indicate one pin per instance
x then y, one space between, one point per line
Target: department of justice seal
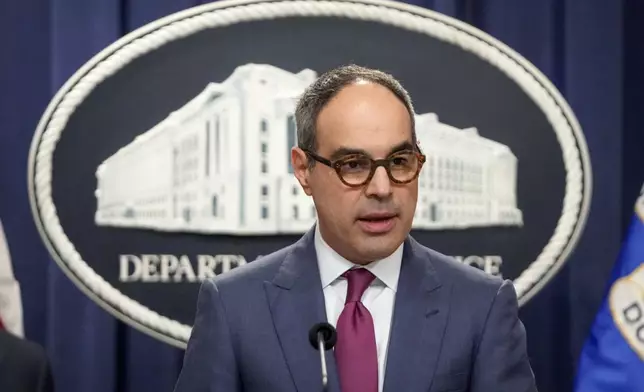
164 160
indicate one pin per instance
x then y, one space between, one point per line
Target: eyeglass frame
375 163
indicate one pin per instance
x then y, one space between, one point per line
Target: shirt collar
332 265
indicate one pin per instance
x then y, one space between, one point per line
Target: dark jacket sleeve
24 366
209 363
501 362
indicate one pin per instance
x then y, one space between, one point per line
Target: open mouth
377 223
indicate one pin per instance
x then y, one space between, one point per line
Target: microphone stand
325 375
323 337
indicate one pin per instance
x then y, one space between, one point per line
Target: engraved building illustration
221 164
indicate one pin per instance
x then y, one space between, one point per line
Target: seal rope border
182 24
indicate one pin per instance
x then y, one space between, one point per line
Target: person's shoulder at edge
28 356
29 351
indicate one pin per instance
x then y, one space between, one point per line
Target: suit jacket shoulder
472 292
485 337
24 366
251 325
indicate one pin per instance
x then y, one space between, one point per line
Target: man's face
368 222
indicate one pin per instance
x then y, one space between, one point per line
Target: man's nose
380 184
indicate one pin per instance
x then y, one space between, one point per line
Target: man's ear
300 163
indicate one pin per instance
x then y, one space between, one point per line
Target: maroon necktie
355 350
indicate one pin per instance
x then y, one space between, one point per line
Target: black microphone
323 337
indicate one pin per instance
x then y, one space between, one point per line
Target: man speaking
407 318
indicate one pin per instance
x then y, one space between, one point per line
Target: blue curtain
591 49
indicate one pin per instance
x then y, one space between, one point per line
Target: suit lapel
418 325
296 303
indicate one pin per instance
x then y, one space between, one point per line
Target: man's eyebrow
404 146
344 151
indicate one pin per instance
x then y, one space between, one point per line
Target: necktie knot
358 280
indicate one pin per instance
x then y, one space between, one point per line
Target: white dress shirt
378 298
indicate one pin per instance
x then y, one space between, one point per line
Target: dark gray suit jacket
454 328
24 367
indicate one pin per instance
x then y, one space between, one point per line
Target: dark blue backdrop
591 49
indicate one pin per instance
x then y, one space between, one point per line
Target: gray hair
320 92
